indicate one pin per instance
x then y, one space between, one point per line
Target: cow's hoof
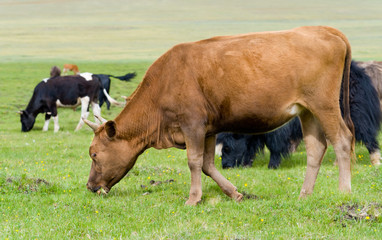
239 197
304 193
375 158
190 202
376 163
273 166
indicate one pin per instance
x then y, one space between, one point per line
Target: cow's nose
92 188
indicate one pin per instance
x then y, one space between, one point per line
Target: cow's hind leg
315 144
341 138
210 170
56 126
374 151
275 160
375 157
96 112
84 111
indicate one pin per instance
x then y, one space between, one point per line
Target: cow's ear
111 129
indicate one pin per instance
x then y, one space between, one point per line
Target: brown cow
70 67
250 83
374 70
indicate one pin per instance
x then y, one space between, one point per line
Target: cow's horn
20 112
103 120
92 125
127 99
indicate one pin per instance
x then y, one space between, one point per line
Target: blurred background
120 30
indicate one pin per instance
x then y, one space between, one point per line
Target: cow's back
374 70
259 79
69 88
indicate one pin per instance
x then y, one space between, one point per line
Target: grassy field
142 30
43 175
43 193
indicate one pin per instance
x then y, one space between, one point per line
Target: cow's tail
112 100
126 77
345 94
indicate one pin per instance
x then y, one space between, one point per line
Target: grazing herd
242 93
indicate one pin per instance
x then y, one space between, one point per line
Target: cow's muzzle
97 189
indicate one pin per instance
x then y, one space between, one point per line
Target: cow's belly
260 121
68 105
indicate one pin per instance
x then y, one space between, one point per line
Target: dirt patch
247 196
155 183
27 185
357 212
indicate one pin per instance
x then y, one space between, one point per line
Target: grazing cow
65 91
70 67
374 70
249 83
239 149
105 81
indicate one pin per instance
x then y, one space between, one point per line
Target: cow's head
27 120
112 157
236 150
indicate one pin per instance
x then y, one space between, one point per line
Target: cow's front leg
47 120
84 111
210 170
195 149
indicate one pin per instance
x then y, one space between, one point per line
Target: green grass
43 174
43 177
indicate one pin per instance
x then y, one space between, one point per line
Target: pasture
43 174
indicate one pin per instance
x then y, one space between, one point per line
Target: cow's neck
141 121
33 107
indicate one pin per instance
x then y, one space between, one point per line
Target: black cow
105 81
63 91
240 149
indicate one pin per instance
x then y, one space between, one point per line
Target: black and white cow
105 81
63 91
240 149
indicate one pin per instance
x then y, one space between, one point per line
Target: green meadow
43 175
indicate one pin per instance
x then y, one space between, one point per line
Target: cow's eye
226 149
94 155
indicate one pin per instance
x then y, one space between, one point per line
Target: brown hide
70 67
374 70
249 83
